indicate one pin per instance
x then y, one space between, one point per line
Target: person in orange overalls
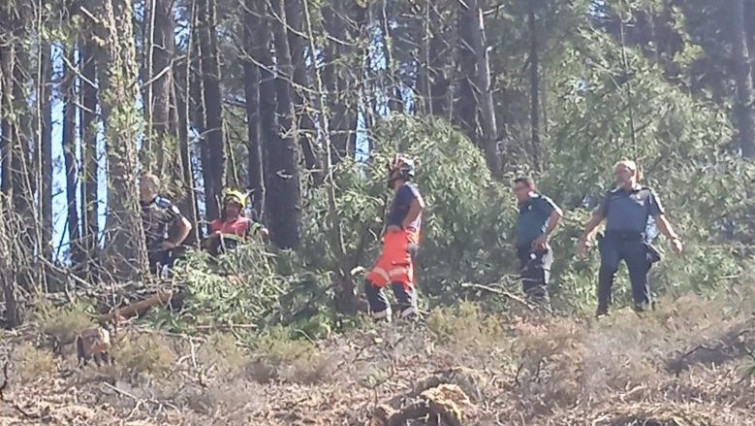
395 265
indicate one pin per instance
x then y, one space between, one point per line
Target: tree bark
45 123
534 86
161 81
89 159
214 154
125 251
283 187
69 156
744 105
254 52
476 84
307 134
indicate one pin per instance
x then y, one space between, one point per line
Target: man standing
160 219
538 218
396 264
626 210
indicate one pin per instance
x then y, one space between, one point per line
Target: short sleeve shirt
239 226
533 219
629 210
402 202
158 217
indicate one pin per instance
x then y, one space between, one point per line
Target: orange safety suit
395 264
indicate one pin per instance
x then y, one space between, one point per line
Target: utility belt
651 252
625 235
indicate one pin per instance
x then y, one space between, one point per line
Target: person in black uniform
626 210
160 218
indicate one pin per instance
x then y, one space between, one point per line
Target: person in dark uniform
160 218
626 210
538 218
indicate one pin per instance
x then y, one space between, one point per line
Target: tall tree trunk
89 159
476 84
267 106
182 93
282 182
534 86
163 48
346 298
45 123
745 102
253 54
8 254
69 156
125 252
467 99
213 143
307 133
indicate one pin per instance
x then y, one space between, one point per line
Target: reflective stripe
408 311
380 271
399 271
384 314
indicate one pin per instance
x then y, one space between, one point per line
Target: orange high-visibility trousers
395 263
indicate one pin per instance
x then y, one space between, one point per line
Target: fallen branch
137 309
500 292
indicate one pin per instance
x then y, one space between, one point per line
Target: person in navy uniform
626 210
160 219
538 217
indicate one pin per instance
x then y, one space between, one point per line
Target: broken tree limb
503 293
138 308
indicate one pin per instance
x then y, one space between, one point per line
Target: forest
302 103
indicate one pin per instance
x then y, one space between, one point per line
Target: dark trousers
535 271
406 296
629 247
158 259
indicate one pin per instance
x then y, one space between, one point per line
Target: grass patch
146 354
35 363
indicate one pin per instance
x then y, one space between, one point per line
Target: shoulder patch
163 202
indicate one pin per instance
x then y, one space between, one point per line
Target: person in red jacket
233 227
396 265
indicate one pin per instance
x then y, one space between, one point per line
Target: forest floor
690 362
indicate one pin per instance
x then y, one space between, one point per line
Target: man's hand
168 245
676 245
392 228
582 247
541 243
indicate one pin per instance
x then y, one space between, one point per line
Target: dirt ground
689 364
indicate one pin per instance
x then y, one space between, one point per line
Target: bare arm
553 220
183 227
593 223
665 227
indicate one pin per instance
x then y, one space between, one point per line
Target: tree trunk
125 251
182 94
89 160
346 300
254 52
213 143
161 78
69 156
45 123
477 84
534 87
744 108
283 187
307 134
467 99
